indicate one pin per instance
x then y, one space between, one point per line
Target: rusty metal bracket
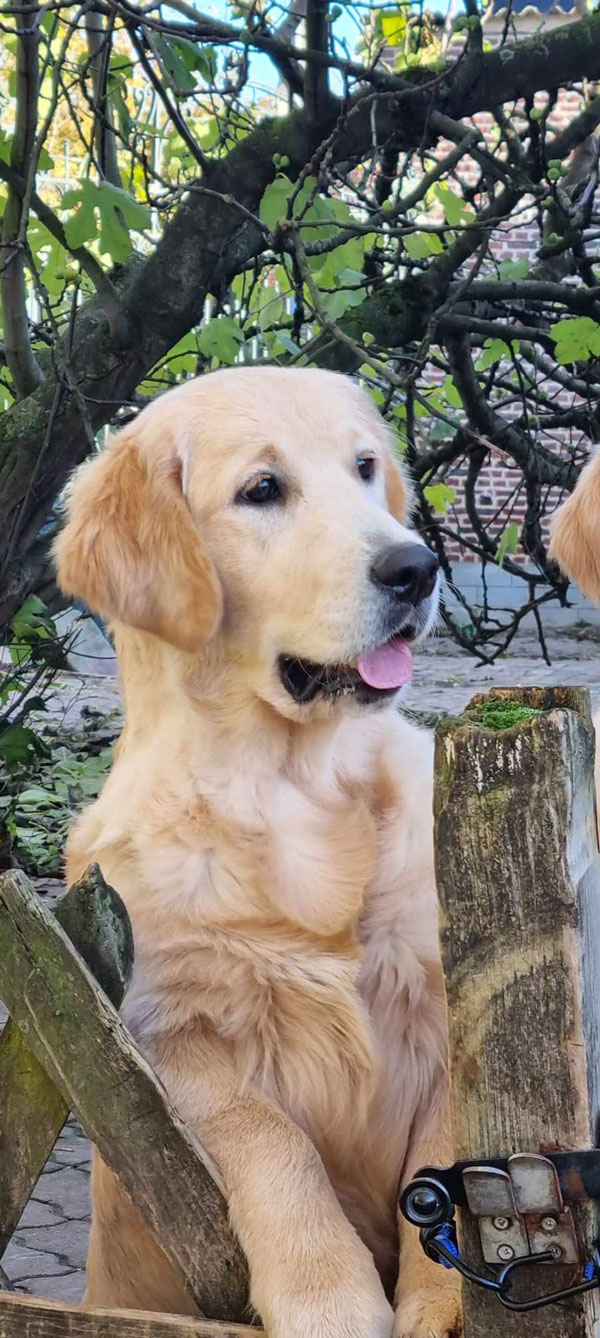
520 1211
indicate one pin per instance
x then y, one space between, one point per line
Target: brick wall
500 490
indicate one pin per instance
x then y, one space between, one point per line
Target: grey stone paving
47 1254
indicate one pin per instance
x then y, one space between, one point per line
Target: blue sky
263 73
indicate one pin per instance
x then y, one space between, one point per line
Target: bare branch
22 364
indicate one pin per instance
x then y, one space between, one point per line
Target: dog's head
261 511
575 541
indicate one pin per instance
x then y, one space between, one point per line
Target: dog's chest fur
282 915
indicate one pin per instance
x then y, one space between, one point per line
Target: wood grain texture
23 1317
518 877
79 1039
32 1110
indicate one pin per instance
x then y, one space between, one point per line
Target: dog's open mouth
378 673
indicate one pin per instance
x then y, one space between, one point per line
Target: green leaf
440 496
420 245
118 212
511 270
17 744
174 58
509 542
393 27
335 304
455 211
287 344
347 256
206 63
32 621
221 339
52 259
82 226
309 207
274 201
36 797
450 393
577 339
494 350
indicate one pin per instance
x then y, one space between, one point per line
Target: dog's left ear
130 548
397 489
575 537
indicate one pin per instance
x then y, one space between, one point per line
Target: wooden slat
82 1043
23 1317
32 1110
518 877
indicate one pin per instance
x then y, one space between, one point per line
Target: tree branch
104 287
20 358
316 90
99 47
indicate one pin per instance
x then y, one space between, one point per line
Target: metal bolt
548 1224
501 1223
505 1252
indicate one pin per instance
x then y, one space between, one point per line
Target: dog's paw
330 1303
427 1314
338 1315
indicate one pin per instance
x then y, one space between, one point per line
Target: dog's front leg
311 1276
428 1296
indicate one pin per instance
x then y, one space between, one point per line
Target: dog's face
260 511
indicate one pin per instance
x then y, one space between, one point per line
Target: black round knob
425 1202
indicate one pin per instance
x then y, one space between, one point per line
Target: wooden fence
519 883
66 1048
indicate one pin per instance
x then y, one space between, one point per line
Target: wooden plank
23 1317
518 875
82 1043
32 1110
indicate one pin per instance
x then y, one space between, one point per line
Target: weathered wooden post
519 885
85 1050
32 1110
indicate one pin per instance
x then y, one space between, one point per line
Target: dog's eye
261 491
366 467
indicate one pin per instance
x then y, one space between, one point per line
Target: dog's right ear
575 538
130 549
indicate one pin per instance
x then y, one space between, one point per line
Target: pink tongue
388 666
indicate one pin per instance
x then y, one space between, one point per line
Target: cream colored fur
276 860
575 544
575 541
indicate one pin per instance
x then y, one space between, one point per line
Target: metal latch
520 1212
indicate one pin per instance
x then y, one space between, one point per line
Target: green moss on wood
498 714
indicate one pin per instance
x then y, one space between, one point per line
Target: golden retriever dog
268 824
575 540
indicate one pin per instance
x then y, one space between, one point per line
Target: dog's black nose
410 570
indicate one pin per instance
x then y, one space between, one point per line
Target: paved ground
47 1255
